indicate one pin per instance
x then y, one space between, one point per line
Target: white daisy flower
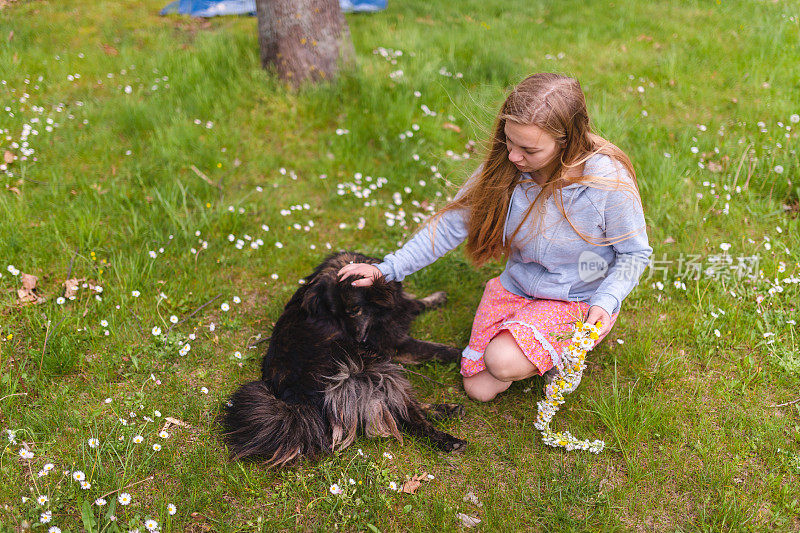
104 323
124 498
135 294
393 485
60 300
335 489
225 307
45 517
42 499
171 509
150 524
78 475
173 319
85 485
388 455
94 443
100 502
156 447
163 434
156 331
54 529
137 439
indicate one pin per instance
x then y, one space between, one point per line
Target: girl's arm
439 235
624 222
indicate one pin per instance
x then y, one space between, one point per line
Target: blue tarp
213 8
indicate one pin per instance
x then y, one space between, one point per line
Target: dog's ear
320 296
383 293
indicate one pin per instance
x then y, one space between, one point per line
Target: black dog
327 374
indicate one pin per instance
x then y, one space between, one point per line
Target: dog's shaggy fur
327 374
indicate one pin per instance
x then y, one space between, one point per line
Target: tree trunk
303 39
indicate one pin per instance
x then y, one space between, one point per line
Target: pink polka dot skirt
541 328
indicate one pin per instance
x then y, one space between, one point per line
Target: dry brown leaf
110 50
15 190
170 421
411 486
8 157
27 294
451 126
71 287
668 240
468 521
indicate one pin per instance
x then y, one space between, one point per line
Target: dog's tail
257 424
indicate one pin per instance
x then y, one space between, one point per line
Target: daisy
393 485
156 447
25 454
60 300
94 443
388 455
173 319
54 529
124 498
42 499
335 489
104 323
225 307
237 300
45 517
85 485
78 475
204 390
150 524
237 355
48 467
156 331
163 434
100 502
137 439
135 294
171 509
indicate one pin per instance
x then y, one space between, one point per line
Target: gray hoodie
554 263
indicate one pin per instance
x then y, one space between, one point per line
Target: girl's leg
505 363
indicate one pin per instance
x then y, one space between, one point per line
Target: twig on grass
126 486
181 321
205 178
69 270
785 404
15 394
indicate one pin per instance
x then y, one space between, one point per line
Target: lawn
168 194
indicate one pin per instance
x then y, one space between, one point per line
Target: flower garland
570 371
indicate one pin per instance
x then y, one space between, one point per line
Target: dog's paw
454 445
453 410
437 299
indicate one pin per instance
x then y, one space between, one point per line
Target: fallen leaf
27 294
169 421
470 497
468 521
71 287
15 190
411 486
8 157
668 240
110 50
451 126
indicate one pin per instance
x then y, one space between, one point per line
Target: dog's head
356 310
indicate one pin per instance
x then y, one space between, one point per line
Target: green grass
692 440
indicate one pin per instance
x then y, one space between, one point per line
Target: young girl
562 205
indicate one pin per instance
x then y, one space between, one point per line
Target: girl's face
531 148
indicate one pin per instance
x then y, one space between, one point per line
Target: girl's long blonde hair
556 104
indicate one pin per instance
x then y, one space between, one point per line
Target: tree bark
303 39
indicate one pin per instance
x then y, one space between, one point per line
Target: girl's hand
598 313
370 273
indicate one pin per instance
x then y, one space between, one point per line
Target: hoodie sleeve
437 237
626 231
